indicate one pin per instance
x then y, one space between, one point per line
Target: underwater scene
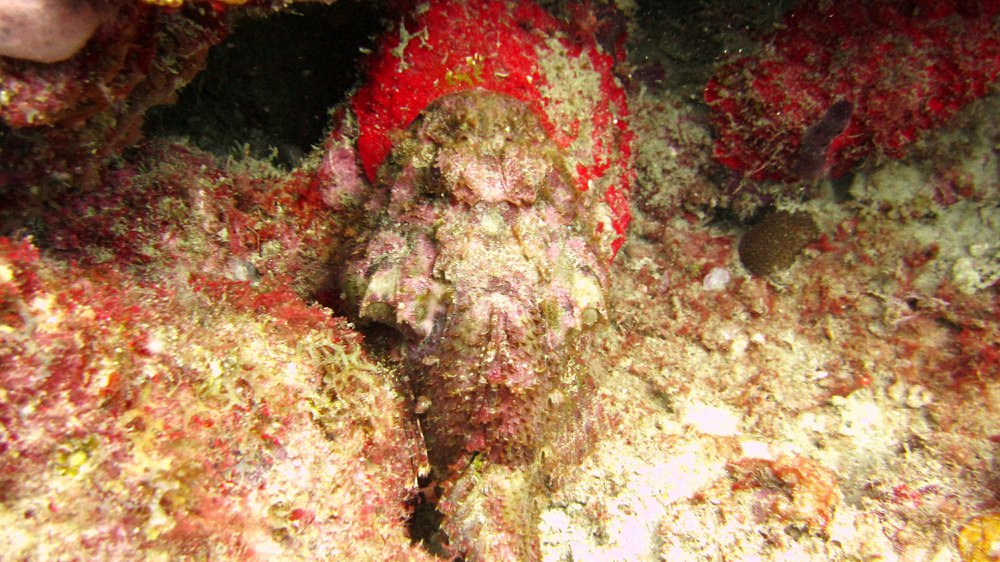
500 280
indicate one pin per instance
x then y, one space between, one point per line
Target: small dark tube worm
816 140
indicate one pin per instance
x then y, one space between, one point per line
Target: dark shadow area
424 524
678 43
270 85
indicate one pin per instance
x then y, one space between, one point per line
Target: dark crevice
424 524
270 85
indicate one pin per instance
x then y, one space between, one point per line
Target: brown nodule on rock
772 244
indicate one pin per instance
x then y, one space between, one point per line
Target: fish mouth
465 284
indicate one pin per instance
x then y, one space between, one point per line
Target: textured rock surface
168 394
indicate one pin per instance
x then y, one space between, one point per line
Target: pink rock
47 30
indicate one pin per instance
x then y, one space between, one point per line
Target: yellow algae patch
979 538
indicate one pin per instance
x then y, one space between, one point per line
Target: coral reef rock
160 402
60 123
905 68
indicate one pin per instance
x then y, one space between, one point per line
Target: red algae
905 67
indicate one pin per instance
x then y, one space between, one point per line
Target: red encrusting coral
906 67
501 46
